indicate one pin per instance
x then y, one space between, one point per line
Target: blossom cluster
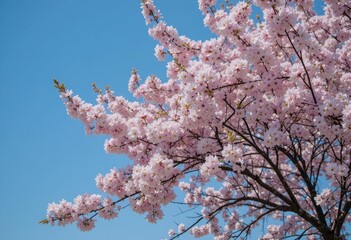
263 108
66 213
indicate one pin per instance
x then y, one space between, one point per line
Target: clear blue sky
44 154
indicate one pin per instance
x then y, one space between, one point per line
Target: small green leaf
44 221
96 89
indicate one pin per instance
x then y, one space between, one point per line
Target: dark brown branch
299 55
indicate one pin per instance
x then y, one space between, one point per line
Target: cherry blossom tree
253 125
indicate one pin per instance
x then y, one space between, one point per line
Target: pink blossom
210 167
331 169
85 224
250 125
181 227
171 232
322 198
274 137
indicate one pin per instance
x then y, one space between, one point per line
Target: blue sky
44 154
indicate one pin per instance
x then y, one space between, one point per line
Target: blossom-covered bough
253 125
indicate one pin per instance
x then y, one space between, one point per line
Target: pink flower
210 167
331 169
85 224
171 232
274 137
181 228
248 120
343 170
323 197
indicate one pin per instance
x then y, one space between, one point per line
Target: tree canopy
263 109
